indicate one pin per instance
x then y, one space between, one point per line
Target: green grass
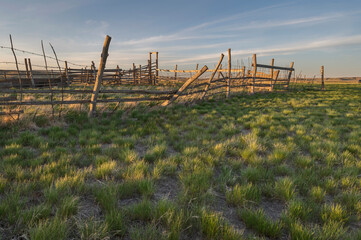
184 172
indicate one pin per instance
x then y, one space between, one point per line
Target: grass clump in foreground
288 164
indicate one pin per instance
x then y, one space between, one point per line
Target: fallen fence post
185 85
212 76
99 78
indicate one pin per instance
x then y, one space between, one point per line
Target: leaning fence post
212 76
99 79
185 85
323 77
31 73
229 73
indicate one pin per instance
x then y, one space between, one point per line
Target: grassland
267 166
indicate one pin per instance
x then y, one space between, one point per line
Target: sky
310 33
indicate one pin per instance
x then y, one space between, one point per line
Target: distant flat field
265 166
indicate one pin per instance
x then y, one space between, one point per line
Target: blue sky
311 33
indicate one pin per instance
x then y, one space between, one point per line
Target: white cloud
330 42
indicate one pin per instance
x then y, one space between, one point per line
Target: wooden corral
183 86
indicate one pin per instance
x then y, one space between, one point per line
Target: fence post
290 74
156 68
150 67
31 73
26 69
229 73
67 73
254 72
323 77
134 73
140 74
99 79
175 73
272 64
212 76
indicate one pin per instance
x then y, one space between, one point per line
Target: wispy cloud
330 42
190 33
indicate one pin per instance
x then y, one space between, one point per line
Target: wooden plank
274 67
195 71
98 81
11 98
11 112
185 85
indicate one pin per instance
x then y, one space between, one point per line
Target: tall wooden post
156 67
290 74
229 73
140 74
323 77
99 79
254 72
175 73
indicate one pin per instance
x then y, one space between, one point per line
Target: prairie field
281 165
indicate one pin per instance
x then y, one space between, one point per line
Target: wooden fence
203 83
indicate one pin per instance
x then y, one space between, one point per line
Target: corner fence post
98 81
